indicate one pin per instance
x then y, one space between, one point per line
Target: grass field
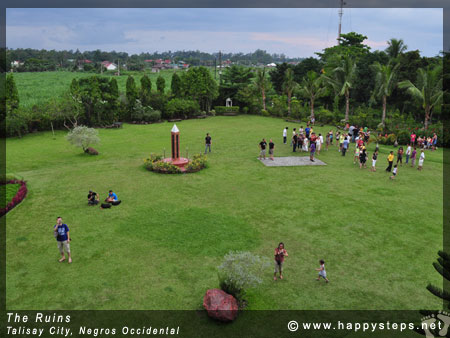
160 248
9 190
40 87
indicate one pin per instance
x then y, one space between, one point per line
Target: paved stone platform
291 161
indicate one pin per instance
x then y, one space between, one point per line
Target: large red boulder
220 305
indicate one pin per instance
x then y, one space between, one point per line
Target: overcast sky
294 32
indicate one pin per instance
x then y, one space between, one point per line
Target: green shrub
142 113
239 271
403 137
197 163
265 113
83 137
220 110
181 108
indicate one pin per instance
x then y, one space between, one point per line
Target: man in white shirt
408 153
285 135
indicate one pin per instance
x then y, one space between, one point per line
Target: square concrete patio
291 161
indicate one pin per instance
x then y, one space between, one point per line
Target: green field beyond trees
161 247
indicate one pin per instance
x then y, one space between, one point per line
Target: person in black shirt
294 141
208 143
262 146
93 198
271 148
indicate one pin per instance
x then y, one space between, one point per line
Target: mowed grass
37 88
161 247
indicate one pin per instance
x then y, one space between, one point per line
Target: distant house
271 65
16 63
85 61
109 65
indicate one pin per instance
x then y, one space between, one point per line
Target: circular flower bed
156 163
20 195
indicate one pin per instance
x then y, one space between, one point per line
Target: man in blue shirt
112 197
61 233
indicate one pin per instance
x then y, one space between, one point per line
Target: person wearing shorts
271 149
374 161
62 235
394 172
280 253
262 147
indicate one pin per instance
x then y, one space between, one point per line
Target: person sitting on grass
322 272
112 197
93 198
394 172
280 253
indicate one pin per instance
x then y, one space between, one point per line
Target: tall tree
342 80
395 48
385 82
160 84
289 85
131 92
175 85
263 84
234 79
277 76
198 84
146 90
427 90
12 95
312 88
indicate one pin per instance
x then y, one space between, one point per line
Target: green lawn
160 248
39 87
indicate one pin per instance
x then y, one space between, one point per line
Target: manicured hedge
220 110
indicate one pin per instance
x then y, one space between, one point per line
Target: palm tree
312 88
289 85
385 83
428 89
396 47
342 80
263 84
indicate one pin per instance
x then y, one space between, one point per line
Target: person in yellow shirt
390 160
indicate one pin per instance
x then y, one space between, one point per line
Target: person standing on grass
390 161
262 147
285 135
434 141
305 144
344 145
341 141
300 140
413 138
327 140
62 235
280 253
363 158
374 160
421 159
294 142
271 149
319 143
394 172
300 130
313 138
293 133
312 150
400 156
413 157
356 156
208 142
408 153
307 131
322 272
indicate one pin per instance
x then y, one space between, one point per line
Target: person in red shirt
413 138
280 253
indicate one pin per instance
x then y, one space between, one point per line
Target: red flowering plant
20 195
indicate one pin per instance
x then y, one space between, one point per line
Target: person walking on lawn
62 235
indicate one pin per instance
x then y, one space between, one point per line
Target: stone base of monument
179 162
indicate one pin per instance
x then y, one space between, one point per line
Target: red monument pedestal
176 159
